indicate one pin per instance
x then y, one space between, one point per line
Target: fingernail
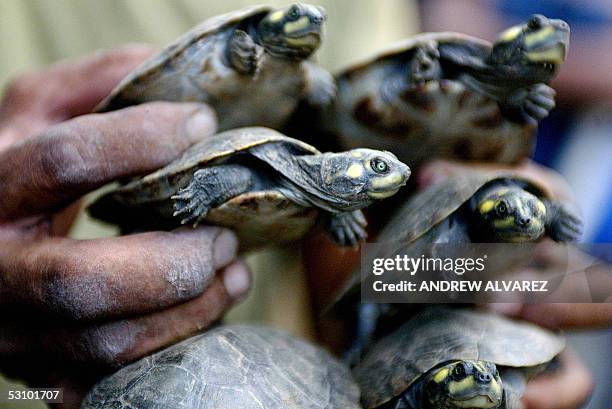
225 248
202 123
237 280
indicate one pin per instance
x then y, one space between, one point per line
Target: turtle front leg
425 65
243 54
530 105
562 223
347 229
320 85
209 188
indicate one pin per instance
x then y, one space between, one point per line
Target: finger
135 274
117 342
567 388
37 99
76 156
559 315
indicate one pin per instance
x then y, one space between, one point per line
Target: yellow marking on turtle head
541 207
355 171
555 55
382 195
298 25
356 154
390 180
539 35
441 375
504 223
467 383
486 206
511 34
276 16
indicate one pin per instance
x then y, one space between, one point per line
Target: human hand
72 309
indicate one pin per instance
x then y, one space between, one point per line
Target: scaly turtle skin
264 185
231 367
250 65
452 359
448 95
470 207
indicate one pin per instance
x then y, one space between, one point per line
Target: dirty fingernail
225 248
201 123
237 280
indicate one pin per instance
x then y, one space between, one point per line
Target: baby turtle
250 65
483 207
264 185
454 359
231 367
469 207
451 95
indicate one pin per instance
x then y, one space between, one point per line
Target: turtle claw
347 229
243 53
539 102
566 225
189 207
425 65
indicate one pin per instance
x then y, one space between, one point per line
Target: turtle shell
437 335
156 64
231 367
480 47
257 217
441 118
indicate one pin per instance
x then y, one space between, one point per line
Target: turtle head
531 52
294 32
362 176
463 384
510 214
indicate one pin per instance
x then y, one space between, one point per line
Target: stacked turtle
436 95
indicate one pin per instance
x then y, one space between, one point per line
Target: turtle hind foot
347 229
190 205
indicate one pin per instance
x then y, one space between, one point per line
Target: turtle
251 65
229 367
447 358
473 206
266 186
447 95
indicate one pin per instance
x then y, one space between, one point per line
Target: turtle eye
379 165
459 372
294 12
502 208
535 22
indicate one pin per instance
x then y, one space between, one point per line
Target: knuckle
110 343
64 155
67 289
20 87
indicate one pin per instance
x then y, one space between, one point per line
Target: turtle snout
484 377
317 20
405 171
523 221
